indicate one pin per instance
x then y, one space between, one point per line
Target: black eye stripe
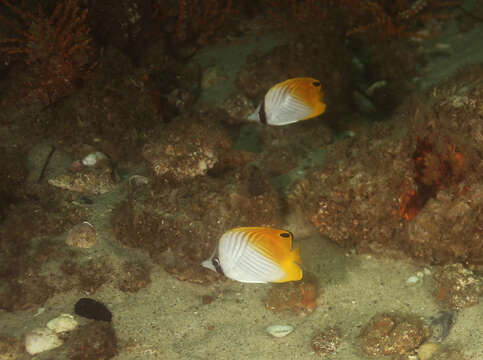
216 263
285 235
316 83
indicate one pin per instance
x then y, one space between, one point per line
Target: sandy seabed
168 320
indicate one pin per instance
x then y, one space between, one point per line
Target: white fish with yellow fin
290 101
256 255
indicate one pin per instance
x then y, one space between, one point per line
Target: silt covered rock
186 151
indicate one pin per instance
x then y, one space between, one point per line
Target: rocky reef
408 186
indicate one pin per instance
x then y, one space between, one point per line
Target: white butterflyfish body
256 255
290 101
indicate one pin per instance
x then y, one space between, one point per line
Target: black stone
92 309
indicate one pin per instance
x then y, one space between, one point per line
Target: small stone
82 236
412 279
92 309
40 340
297 297
326 342
427 350
138 180
280 330
94 158
62 323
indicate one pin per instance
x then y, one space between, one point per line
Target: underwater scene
240 179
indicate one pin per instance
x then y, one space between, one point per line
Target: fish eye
285 234
316 83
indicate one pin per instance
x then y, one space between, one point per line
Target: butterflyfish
256 255
290 101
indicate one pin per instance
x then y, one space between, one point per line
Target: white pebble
280 330
62 323
40 340
412 279
93 158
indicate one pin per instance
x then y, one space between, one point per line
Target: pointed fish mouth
208 264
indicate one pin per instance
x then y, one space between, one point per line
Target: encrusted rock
326 342
409 186
88 180
297 297
449 218
186 151
457 286
388 334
